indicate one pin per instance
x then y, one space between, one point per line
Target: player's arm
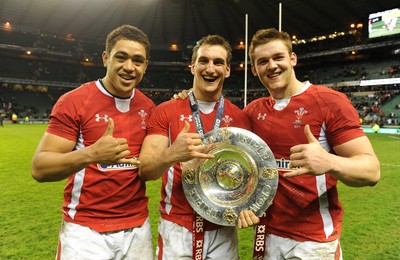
156 156
355 163
55 158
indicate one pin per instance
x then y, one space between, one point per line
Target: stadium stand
32 82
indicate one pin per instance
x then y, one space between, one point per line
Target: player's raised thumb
309 135
110 127
186 128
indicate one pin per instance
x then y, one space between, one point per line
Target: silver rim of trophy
242 176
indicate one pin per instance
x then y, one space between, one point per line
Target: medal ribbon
259 242
194 106
198 221
198 236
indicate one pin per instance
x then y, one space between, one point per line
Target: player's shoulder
79 94
329 97
232 106
324 91
174 104
142 98
170 107
259 102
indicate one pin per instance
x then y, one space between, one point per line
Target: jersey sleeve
159 120
64 121
343 122
242 120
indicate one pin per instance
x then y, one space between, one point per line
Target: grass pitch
30 212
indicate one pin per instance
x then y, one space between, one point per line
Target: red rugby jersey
104 198
305 207
168 119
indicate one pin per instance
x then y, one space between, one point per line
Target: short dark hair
264 36
213 40
128 32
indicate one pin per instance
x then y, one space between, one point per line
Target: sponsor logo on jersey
299 115
116 167
283 164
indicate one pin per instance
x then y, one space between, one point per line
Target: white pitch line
395 137
391 165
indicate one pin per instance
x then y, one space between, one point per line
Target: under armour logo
98 118
261 117
189 118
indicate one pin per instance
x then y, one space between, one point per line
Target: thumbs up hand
110 128
110 150
187 146
309 158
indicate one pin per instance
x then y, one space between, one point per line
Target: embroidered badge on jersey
299 115
143 116
227 119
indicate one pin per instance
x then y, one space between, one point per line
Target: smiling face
273 65
210 69
126 64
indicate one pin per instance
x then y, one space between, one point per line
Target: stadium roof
186 21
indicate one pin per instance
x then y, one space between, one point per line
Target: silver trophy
242 175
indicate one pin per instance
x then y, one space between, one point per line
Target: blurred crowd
72 61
